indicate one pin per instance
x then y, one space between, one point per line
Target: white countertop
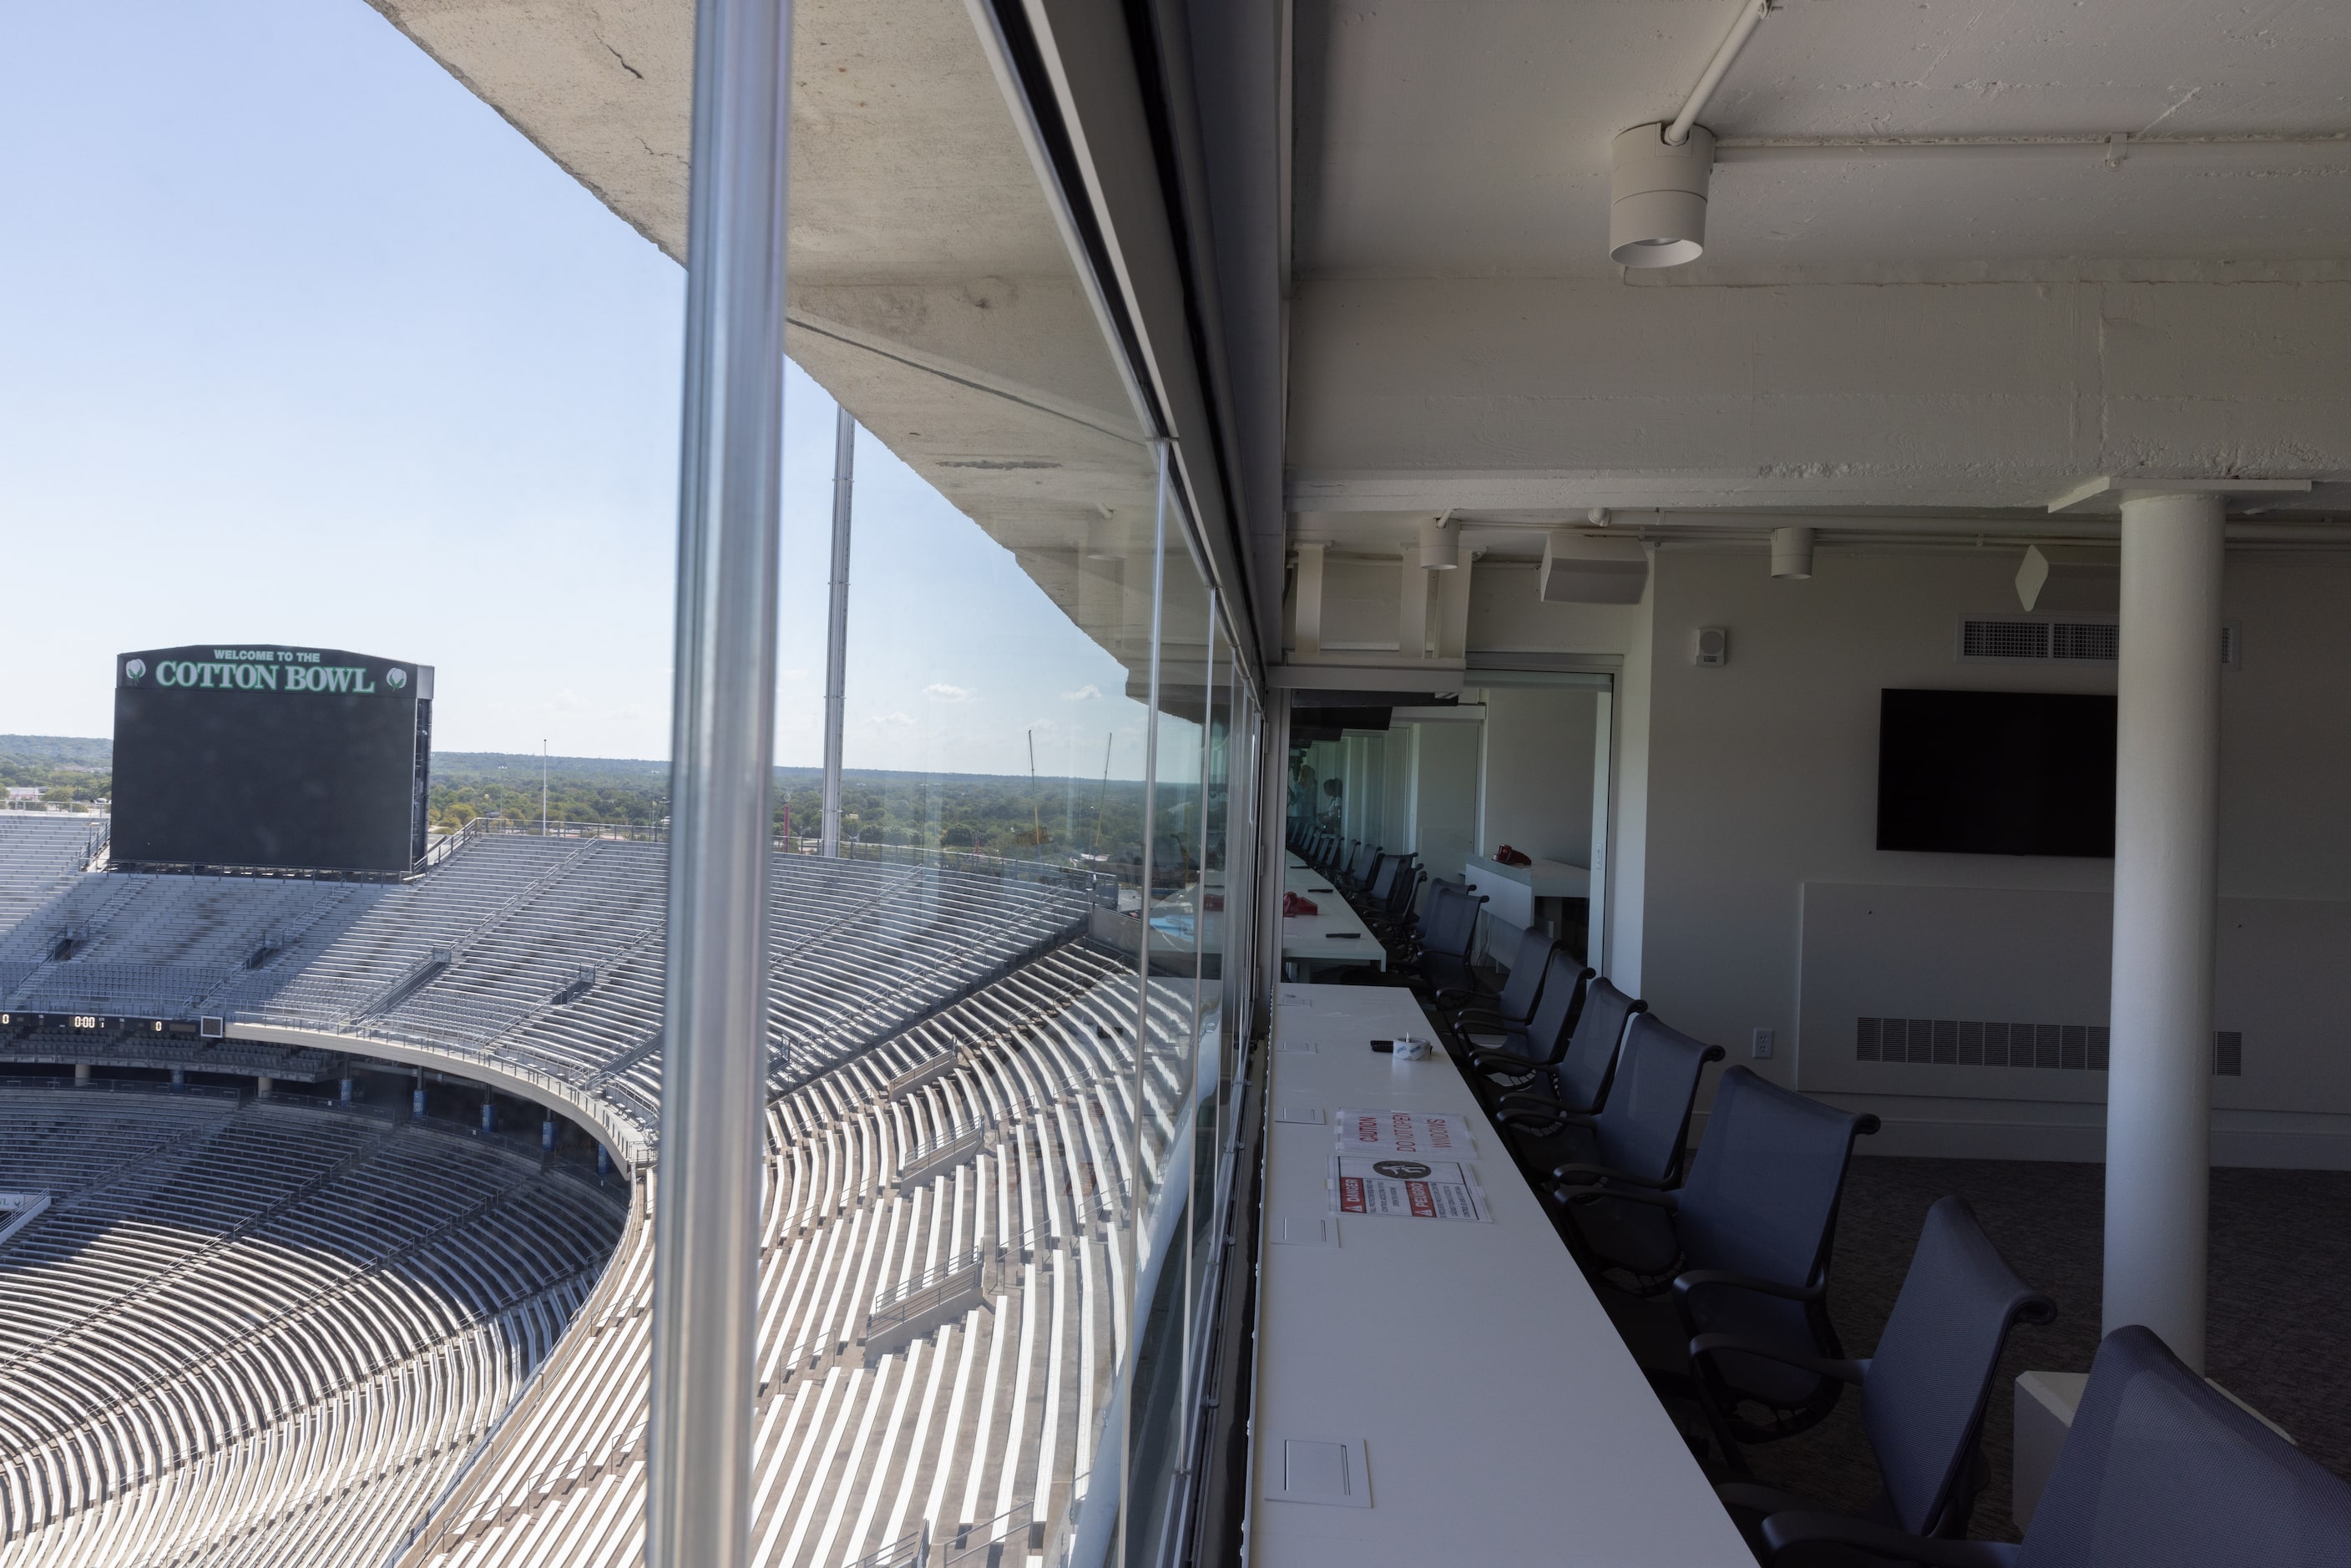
1322 938
1546 879
1499 1417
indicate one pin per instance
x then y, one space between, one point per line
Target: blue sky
301 343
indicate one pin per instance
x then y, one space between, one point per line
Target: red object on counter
1294 905
1506 855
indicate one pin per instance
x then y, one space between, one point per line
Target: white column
1412 610
2159 1114
1306 603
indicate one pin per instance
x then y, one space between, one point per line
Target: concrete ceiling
929 290
1891 344
1472 138
1962 336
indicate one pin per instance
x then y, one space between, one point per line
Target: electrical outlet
1761 1049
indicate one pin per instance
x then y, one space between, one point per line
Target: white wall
1537 784
1762 778
1445 789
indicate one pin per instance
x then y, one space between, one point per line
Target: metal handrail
902 1303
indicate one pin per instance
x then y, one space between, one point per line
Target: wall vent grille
1968 1042
2008 640
2003 639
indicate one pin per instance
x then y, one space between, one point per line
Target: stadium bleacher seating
233 1315
975 1427
39 852
951 1132
545 953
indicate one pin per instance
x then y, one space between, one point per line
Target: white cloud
887 721
1087 693
1042 724
940 692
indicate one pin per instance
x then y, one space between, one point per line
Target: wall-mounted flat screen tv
1996 773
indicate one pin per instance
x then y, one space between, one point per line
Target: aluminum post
836 631
715 1012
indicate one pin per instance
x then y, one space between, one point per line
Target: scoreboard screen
293 758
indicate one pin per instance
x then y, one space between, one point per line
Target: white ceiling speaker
1440 546
1657 196
1580 569
1792 553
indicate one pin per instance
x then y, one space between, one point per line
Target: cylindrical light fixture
1656 192
1791 552
1440 546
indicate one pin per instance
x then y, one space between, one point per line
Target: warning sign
1416 1133
1407 1188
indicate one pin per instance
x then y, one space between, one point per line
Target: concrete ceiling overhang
1966 335
931 287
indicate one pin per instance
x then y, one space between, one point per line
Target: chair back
1645 1122
1406 891
1384 878
2162 1470
1923 1402
1585 1066
1529 977
1367 856
1449 928
1762 1199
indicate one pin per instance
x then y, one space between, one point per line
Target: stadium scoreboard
270 759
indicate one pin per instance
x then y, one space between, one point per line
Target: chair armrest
1702 1278
1759 1499
1785 1534
1537 1115
1556 1107
1853 1372
1565 1174
1563 1193
1492 1059
1527 1105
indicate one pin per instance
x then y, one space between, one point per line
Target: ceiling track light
1441 545
1792 553
1657 196
1658 174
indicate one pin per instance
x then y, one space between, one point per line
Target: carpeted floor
2280 1333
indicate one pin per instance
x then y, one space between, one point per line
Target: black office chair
1743 1248
1537 1045
1637 1135
1442 959
1569 1077
2160 1471
1514 1004
1923 1394
1398 917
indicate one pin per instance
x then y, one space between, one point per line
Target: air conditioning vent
1968 1042
2009 640
2003 639
2083 640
